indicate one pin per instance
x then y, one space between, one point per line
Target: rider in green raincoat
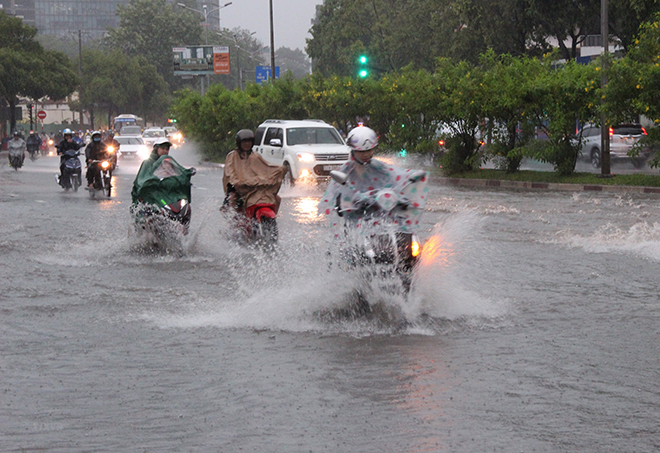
161 180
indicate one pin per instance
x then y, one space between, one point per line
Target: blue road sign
263 73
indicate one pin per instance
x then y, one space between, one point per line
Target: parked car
150 135
308 148
132 147
622 138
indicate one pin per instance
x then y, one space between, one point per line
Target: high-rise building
60 17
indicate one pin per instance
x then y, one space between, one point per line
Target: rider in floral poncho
366 177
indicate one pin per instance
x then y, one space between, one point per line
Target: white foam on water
641 239
296 288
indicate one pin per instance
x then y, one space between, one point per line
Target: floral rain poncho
364 182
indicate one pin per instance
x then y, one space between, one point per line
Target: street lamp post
238 59
205 12
272 43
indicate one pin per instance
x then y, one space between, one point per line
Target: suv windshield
312 136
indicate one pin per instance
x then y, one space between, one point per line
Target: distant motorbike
71 177
34 152
102 177
16 161
375 239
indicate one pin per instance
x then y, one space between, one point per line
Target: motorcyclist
366 176
33 143
249 180
96 150
113 147
67 149
166 167
16 146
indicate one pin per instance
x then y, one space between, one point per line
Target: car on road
310 149
150 135
130 130
622 139
132 147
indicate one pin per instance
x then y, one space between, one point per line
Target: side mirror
275 142
417 175
339 176
193 171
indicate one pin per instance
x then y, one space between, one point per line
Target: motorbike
376 237
16 161
71 177
102 177
256 224
162 207
34 152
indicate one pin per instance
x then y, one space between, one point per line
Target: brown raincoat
254 179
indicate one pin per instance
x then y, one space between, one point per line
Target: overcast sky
291 19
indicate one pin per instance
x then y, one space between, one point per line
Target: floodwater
533 325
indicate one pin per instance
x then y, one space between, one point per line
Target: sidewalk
487 183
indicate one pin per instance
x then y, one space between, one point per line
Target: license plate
330 167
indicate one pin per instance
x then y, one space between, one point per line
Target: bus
127 120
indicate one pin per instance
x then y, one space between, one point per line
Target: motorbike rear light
611 131
441 142
644 131
415 248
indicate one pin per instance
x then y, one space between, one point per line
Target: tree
117 83
150 29
568 20
294 61
26 69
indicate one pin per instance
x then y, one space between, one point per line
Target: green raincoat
161 181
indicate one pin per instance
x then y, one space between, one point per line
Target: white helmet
362 139
162 141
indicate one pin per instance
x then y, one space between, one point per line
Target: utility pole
272 43
605 170
80 89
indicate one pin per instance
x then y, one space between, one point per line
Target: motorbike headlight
306 157
105 164
415 247
111 149
143 152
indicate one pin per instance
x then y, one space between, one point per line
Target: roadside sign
263 73
193 60
221 60
41 114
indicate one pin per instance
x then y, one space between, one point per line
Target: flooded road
533 325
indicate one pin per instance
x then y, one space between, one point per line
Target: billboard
200 60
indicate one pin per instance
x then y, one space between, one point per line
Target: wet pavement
532 326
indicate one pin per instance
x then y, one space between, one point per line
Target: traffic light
363 70
171 120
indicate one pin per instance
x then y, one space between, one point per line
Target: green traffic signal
363 73
363 59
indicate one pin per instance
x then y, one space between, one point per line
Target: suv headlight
306 157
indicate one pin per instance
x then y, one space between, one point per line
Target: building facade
61 17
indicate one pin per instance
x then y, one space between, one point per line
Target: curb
544 185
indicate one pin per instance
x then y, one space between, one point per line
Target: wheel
108 187
289 175
73 180
595 158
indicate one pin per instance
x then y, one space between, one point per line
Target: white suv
308 148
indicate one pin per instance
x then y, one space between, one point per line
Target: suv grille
330 157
